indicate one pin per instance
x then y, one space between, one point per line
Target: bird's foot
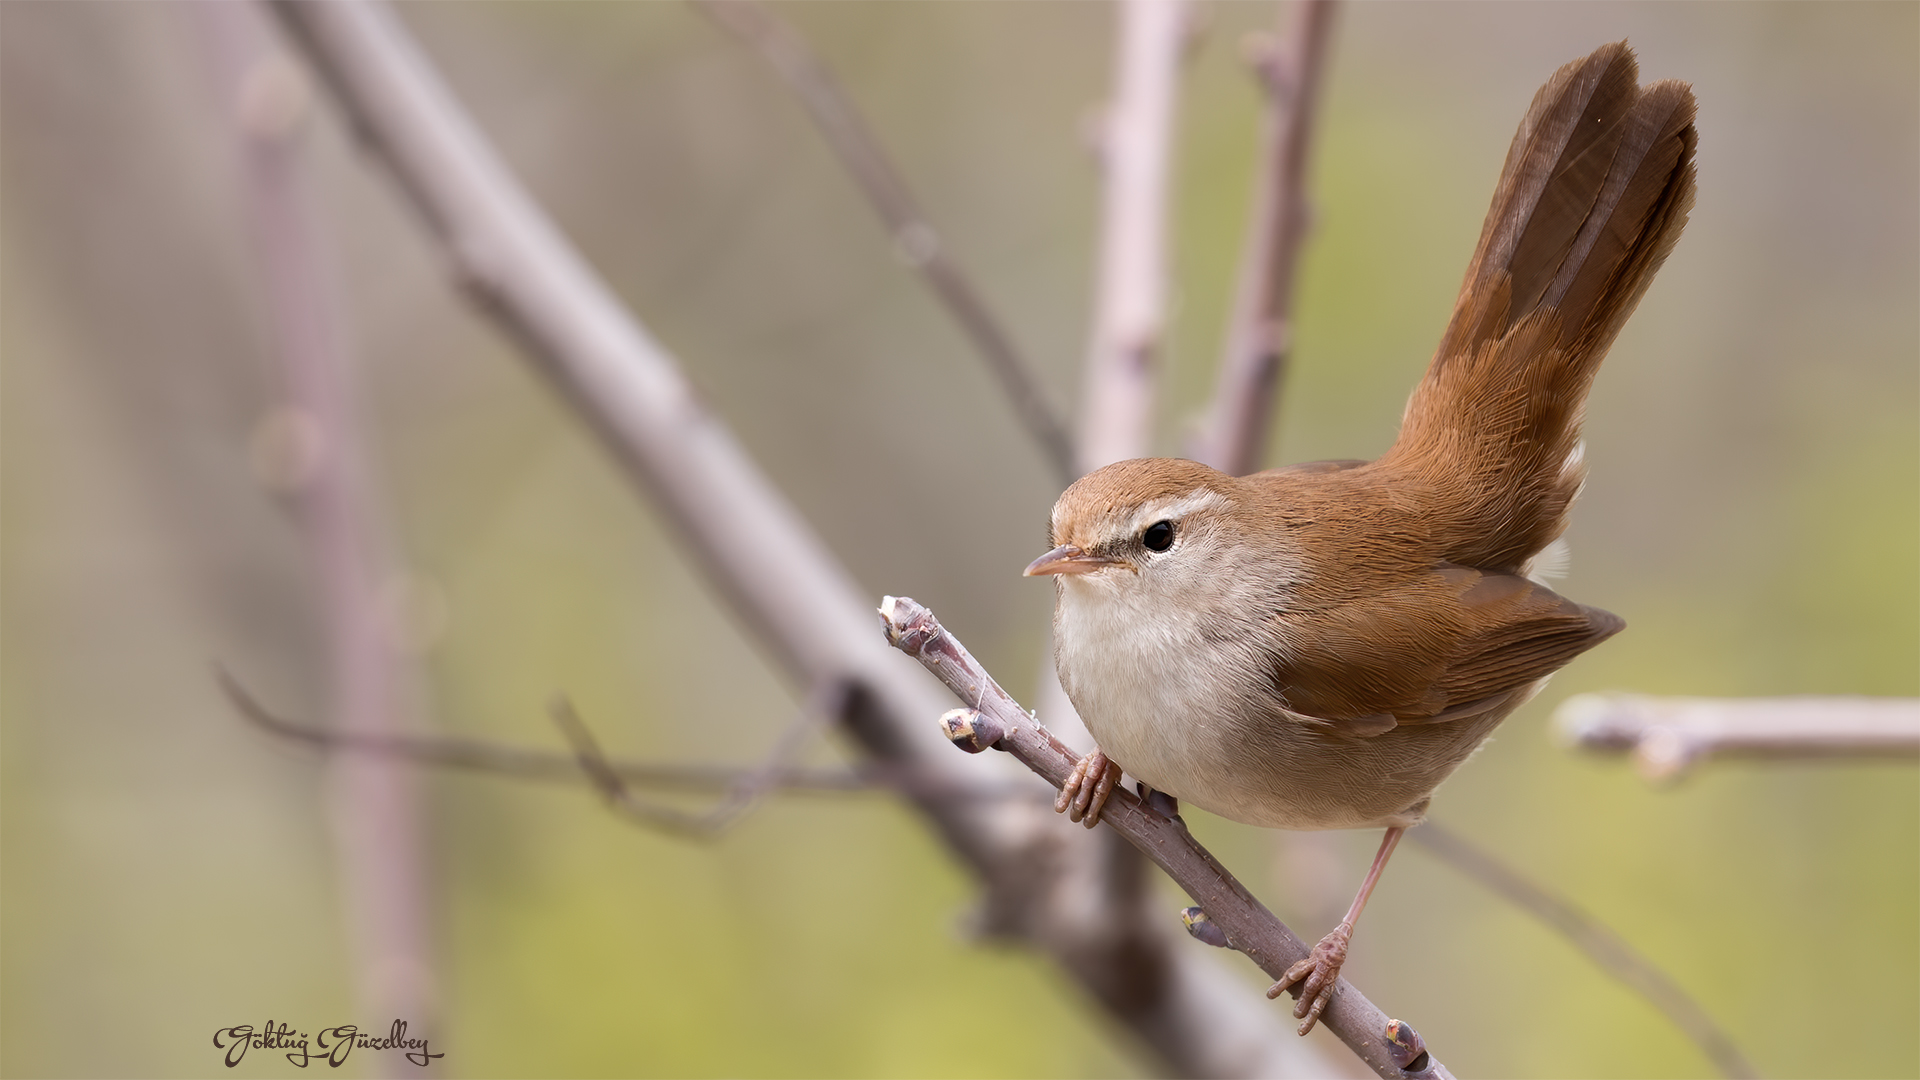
1085 793
1316 976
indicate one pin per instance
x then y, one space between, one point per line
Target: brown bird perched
1319 646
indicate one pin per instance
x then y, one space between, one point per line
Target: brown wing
1536 635
1430 651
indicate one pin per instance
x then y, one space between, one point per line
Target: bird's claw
1085 793
1316 977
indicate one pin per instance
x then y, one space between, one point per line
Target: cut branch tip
910 626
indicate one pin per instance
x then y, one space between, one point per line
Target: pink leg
1085 793
1317 974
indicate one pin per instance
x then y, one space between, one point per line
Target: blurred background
1753 512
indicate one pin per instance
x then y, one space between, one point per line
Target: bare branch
1135 143
373 806
825 703
773 570
1249 927
914 239
1608 950
1117 408
1260 335
750 543
522 763
1668 736
518 762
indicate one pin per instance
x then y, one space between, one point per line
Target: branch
1116 423
521 763
1135 143
1260 336
1117 399
914 239
825 703
1601 944
774 572
518 762
1668 736
1606 948
995 719
750 544
377 832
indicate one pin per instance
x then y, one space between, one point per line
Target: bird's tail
1595 191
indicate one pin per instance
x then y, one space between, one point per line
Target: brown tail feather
1594 195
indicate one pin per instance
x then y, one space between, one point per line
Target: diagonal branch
914 239
1607 949
995 719
750 544
1260 336
824 703
1668 736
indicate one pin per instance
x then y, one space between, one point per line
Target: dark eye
1159 536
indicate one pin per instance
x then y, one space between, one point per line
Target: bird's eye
1159 536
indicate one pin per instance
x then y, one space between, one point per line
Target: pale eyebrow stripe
1177 509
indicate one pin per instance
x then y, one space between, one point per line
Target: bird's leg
1159 802
1321 969
1085 793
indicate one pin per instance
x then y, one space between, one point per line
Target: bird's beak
1067 559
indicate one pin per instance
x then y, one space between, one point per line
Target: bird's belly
1158 707
1156 704
1160 722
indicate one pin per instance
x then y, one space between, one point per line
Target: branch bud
1203 928
909 625
1405 1046
971 730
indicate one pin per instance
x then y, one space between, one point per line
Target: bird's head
1139 524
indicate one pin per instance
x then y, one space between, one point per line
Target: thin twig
1668 736
1606 948
749 542
523 763
824 704
1290 69
914 239
376 826
1135 144
1249 927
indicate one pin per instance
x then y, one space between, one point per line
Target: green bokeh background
1754 513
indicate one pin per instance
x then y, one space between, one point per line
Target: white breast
1154 686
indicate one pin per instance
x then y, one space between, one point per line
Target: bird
1319 646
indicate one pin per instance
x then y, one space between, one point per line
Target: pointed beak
1067 559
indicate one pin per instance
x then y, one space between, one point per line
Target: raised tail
1594 194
